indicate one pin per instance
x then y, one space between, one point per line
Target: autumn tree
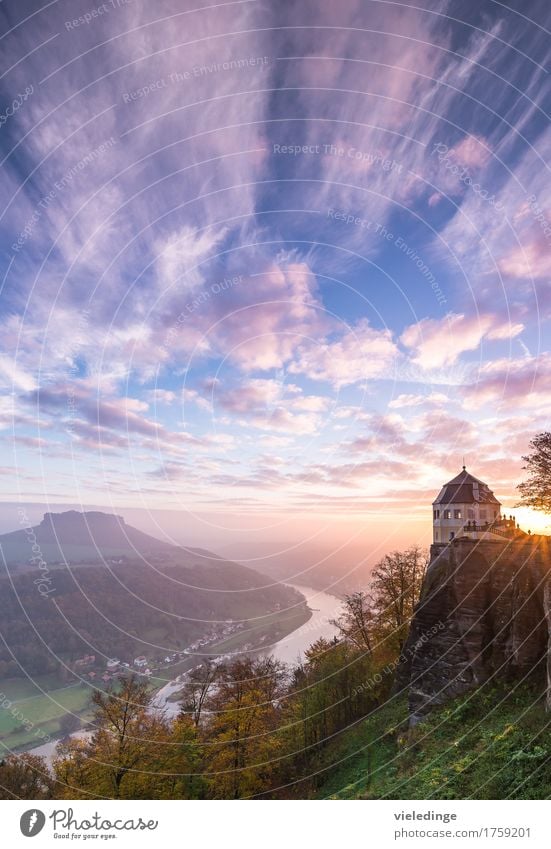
395 587
199 683
377 622
535 491
242 725
135 752
334 686
25 777
355 622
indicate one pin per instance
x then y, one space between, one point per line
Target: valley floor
33 712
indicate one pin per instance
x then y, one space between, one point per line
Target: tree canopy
535 491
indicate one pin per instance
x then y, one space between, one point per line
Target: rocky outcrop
484 613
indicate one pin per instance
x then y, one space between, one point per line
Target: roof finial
464 466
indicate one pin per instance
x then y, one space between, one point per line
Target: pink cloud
416 400
271 405
532 259
360 353
472 151
282 419
271 316
252 396
439 342
512 384
162 396
445 430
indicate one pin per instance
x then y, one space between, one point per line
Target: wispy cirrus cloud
168 252
434 343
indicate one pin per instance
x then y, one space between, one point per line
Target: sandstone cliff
484 613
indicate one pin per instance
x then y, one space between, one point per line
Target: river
290 650
324 607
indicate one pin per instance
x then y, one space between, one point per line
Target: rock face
484 613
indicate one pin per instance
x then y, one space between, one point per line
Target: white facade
451 519
462 502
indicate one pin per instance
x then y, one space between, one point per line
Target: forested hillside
127 610
334 726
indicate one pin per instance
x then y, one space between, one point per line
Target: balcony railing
509 530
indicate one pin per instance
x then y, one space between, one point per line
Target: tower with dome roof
464 506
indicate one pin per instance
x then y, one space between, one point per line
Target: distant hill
79 537
105 587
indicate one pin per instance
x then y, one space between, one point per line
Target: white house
464 506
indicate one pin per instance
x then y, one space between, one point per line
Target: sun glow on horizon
532 520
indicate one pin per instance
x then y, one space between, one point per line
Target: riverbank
288 636
323 609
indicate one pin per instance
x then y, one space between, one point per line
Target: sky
274 267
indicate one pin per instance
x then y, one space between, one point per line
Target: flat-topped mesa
485 608
90 517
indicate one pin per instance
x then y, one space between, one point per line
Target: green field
27 714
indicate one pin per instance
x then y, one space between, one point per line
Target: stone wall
484 613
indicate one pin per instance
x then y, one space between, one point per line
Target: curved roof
466 489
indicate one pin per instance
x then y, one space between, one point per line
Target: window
470 513
437 514
436 536
447 514
482 515
457 514
451 535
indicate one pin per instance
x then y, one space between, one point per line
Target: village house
83 662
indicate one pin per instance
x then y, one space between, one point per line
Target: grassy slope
493 744
33 714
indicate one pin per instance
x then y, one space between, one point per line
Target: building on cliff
463 503
484 613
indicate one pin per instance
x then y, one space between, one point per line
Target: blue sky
272 258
